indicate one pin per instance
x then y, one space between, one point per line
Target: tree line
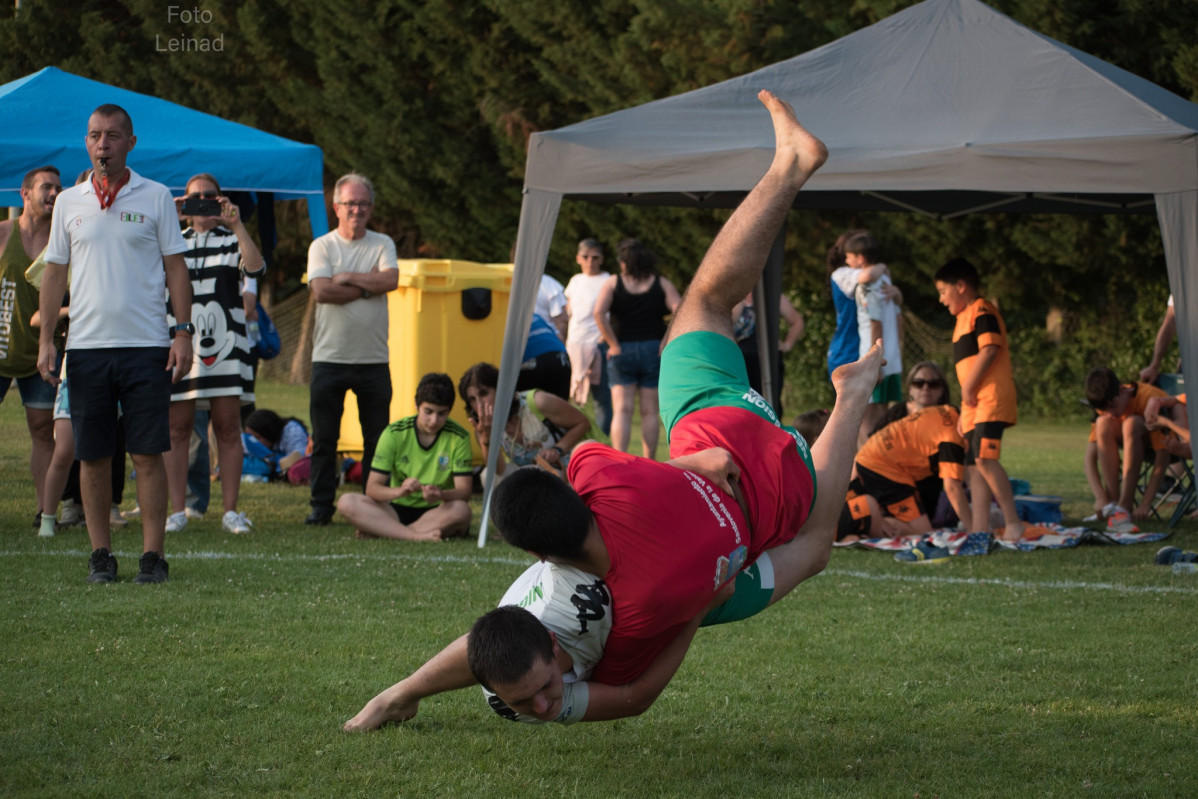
435 100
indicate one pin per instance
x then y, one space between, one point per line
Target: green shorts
706 370
890 389
754 589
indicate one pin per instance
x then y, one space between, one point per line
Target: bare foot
363 536
387 706
856 380
795 149
1012 533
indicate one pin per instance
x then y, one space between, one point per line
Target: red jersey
673 539
777 481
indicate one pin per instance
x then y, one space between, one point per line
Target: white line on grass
1065 585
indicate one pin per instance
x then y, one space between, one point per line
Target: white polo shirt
117 277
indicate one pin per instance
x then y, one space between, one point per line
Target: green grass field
1065 673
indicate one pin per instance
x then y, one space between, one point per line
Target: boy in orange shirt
987 393
1121 423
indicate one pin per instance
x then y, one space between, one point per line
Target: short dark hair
27 181
1102 386
638 259
958 270
864 244
504 644
435 388
270 425
539 512
112 110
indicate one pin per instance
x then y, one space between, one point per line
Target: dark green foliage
435 101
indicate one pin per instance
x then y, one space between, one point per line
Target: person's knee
458 511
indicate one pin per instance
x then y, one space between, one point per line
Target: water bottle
1181 567
253 333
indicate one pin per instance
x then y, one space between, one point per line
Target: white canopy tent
945 108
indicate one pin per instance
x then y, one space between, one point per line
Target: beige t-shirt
355 332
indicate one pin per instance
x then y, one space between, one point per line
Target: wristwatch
184 327
366 294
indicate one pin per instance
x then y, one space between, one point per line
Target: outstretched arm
445 671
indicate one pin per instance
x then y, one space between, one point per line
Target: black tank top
639 317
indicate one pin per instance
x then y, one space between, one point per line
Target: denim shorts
638 364
35 392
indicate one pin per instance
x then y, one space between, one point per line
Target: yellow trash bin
445 316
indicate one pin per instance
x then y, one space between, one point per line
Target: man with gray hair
350 270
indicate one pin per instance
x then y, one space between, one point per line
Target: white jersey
576 607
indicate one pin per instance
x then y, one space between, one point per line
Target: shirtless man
708 407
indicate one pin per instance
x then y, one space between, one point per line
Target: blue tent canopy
43 120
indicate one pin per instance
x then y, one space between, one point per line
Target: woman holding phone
220 252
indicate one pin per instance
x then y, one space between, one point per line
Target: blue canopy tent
43 120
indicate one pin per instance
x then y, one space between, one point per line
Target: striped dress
221 364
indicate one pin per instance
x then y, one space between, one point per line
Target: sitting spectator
811 424
884 500
1119 424
287 440
541 428
421 476
926 387
1157 417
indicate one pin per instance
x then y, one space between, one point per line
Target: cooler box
445 316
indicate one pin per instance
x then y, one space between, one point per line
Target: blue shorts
35 392
638 364
134 377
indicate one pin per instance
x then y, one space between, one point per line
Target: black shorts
984 442
407 514
131 381
855 518
900 500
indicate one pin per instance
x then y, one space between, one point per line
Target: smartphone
198 206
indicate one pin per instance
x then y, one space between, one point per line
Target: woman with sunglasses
220 251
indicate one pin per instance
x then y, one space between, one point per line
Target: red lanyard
106 194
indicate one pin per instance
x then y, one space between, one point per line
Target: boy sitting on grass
420 479
1120 423
983 363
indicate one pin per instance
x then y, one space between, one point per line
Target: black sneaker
319 518
1168 555
102 567
152 569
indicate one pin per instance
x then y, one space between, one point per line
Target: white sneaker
70 514
133 513
235 523
176 522
192 513
115 519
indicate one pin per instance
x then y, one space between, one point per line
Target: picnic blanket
1058 537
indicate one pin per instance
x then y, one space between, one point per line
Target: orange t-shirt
981 325
1135 407
908 450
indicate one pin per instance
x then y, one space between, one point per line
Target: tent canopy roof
43 120
944 106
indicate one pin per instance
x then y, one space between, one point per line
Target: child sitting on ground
1120 423
421 477
287 441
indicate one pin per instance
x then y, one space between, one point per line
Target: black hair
269 424
484 375
435 388
958 270
864 244
539 512
504 644
639 261
1102 386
